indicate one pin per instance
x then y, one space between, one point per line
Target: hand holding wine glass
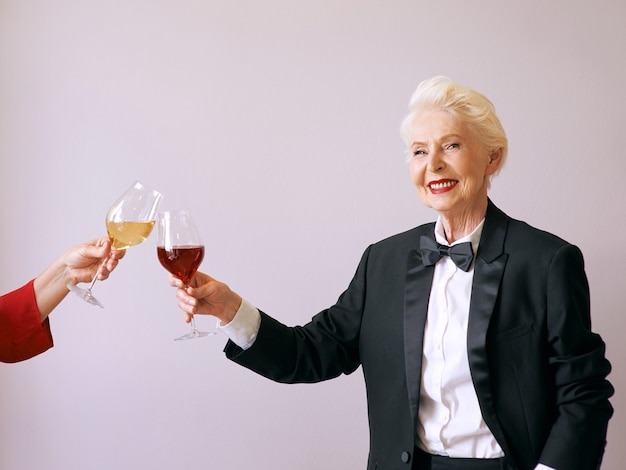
205 295
180 251
129 222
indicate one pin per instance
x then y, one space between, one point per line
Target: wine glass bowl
129 221
131 218
180 251
182 261
127 234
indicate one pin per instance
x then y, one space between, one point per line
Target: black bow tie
462 254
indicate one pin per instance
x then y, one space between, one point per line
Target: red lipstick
441 186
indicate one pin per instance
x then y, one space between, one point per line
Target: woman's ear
495 159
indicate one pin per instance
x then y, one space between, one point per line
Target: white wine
125 234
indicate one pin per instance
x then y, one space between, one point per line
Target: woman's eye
418 152
453 146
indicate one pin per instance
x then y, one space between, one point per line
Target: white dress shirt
244 327
450 421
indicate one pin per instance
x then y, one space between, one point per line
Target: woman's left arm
579 368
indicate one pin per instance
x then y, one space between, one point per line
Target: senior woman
473 332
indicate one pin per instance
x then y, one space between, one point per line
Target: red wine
182 261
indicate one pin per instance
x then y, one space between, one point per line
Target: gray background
276 123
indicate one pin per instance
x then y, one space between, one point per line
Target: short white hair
468 105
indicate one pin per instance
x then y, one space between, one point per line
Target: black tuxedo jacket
537 368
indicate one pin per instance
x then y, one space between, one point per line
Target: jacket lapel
417 291
488 271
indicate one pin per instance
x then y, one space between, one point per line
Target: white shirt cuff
244 327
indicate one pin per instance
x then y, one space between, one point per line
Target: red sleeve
22 334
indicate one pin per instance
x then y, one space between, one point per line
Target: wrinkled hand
206 296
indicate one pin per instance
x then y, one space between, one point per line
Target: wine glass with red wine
180 250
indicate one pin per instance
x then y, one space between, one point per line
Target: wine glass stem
95 276
193 325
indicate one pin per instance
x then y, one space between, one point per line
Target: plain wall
276 123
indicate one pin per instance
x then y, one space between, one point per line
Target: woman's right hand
206 296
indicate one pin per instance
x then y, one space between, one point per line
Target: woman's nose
435 161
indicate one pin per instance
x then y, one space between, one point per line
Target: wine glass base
195 334
85 294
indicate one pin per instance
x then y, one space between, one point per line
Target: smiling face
449 166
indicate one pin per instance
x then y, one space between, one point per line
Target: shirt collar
473 237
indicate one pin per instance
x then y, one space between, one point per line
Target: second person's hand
206 296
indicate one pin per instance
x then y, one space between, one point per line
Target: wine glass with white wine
129 222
